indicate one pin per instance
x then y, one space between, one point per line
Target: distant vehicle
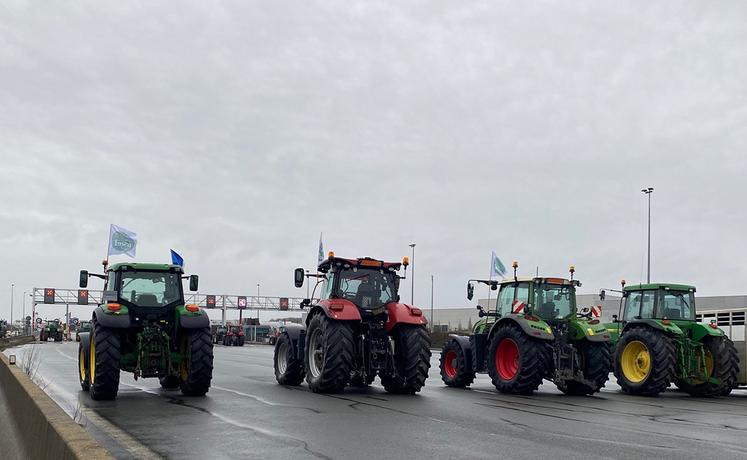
52 330
234 336
219 332
84 326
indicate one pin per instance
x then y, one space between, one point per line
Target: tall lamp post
258 304
12 286
431 303
648 191
412 281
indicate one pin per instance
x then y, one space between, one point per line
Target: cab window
677 305
633 305
647 304
505 299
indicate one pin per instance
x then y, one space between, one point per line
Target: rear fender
671 328
339 309
192 320
591 332
701 331
297 335
112 319
399 313
465 343
537 329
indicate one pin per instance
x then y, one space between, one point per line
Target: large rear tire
412 359
197 366
645 361
517 363
104 360
456 371
288 369
596 364
328 354
722 363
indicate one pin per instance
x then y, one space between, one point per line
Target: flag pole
105 263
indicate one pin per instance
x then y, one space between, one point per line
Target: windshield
554 301
677 305
150 289
366 288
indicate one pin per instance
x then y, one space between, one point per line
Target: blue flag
176 259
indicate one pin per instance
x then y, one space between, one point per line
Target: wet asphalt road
247 415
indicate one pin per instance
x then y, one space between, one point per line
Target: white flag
320 256
121 241
496 266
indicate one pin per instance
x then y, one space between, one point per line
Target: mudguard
657 324
297 335
399 313
192 320
537 329
339 309
591 332
701 331
466 346
110 319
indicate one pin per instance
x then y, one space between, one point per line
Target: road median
47 431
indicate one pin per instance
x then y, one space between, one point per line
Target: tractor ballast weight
657 342
528 338
358 330
143 326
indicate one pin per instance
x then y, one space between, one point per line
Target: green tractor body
143 326
52 330
219 333
534 333
657 341
84 326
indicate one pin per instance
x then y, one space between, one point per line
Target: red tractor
234 336
358 329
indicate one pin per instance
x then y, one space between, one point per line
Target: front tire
596 364
412 359
104 361
328 354
85 383
288 369
456 370
196 370
517 364
645 361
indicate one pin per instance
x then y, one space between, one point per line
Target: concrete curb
47 431
8 342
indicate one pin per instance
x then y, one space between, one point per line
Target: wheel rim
636 361
82 364
92 360
282 357
316 353
507 359
450 364
707 367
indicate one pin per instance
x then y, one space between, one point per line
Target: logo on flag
517 306
320 256
496 267
121 241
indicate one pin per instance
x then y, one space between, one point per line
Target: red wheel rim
507 359
450 364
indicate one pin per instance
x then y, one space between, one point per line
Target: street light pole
648 191
23 318
412 281
12 286
431 303
257 304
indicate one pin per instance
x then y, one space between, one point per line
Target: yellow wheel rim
708 368
92 360
82 364
635 361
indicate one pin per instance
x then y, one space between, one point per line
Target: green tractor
52 330
84 326
657 342
143 326
535 333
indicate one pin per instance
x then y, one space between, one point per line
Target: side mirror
298 277
194 282
470 291
602 294
480 311
83 278
305 303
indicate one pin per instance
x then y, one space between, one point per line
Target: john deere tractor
143 326
357 330
658 342
534 333
51 330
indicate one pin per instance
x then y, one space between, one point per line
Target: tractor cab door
513 298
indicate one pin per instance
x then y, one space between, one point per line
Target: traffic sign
210 301
49 295
283 303
82 296
241 303
38 320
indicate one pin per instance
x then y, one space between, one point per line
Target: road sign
49 295
210 301
283 303
241 303
38 320
82 296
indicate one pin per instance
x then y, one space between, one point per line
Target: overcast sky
236 131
